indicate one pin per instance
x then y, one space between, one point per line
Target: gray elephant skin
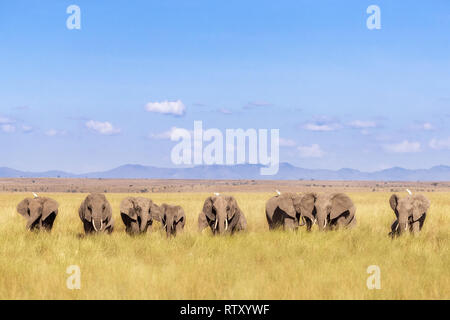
96 214
39 212
138 214
222 214
173 219
284 210
330 210
410 213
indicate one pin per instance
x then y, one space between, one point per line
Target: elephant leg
422 221
415 227
289 224
269 221
241 225
394 229
309 224
47 224
88 228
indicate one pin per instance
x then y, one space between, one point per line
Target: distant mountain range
244 171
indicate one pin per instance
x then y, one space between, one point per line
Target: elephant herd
222 214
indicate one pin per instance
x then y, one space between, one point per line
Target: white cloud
166 135
104 128
287 143
361 124
403 147
7 128
440 144
167 107
321 126
53 133
225 111
313 151
427 126
27 129
4 120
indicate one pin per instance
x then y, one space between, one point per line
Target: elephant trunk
402 224
144 222
221 224
321 221
97 223
170 226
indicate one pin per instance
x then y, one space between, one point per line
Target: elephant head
138 214
222 214
410 212
284 210
173 219
96 214
328 210
40 212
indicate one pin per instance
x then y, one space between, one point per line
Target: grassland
257 264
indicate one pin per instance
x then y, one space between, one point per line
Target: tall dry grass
257 264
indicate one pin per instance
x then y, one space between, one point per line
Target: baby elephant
40 212
96 214
222 214
410 211
173 219
138 214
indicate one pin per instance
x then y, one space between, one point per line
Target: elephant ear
234 208
83 210
286 203
155 211
22 208
339 204
393 201
127 208
50 207
207 209
420 206
307 204
181 217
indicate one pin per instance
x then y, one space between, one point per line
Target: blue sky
342 95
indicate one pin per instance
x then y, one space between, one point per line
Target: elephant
173 219
96 214
40 212
138 214
284 210
329 210
222 214
410 213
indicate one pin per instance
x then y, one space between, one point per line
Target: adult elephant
410 213
173 219
284 210
138 214
222 214
40 212
96 214
329 210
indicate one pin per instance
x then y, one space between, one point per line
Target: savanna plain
256 264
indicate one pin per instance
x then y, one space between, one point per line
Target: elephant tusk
215 226
35 195
314 222
226 224
101 225
279 193
325 224
409 191
94 225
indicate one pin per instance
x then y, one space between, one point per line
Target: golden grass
257 264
